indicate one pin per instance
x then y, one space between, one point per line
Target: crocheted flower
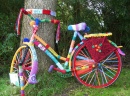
97 47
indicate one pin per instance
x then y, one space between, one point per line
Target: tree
46 31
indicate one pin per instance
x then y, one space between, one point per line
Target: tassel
58 33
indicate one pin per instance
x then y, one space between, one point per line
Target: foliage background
9 42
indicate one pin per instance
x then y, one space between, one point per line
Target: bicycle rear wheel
103 74
26 65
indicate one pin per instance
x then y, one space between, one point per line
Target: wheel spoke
103 74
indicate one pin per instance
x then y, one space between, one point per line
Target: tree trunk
46 30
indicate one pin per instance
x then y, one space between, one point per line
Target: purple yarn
22 91
32 76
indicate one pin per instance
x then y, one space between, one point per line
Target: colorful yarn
58 33
98 35
45 49
37 21
55 21
46 12
99 48
21 80
87 29
77 27
50 49
41 11
26 40
32 76
58 29
33 11
32 23
17 24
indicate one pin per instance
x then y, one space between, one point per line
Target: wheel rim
26 64
103 74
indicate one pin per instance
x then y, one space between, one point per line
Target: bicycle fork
21 71
32 76
34 67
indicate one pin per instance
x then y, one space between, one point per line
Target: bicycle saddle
79 27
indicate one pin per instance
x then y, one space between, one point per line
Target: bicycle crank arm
59 70
52 67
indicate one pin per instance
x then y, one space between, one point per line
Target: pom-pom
32 23
37 21
26 40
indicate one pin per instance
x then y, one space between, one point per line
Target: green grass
53 85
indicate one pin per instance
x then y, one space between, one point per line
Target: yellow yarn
97 35
32 23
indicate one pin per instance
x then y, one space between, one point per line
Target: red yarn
22 94
24 11
99 47
55 21
46 12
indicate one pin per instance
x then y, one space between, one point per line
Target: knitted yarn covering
99 48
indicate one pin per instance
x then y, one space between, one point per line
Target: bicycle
83 60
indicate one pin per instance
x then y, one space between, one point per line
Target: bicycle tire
27 63
103 74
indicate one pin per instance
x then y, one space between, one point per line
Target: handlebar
37 21
39 11
23 11
44 20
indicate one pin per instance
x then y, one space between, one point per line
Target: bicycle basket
14 79
99 47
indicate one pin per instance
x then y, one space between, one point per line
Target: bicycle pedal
51 68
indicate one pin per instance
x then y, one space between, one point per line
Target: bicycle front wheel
102 74
26 65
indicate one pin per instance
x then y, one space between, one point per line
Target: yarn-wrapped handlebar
44 20
23 11
39 11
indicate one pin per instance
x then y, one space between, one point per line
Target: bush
9 41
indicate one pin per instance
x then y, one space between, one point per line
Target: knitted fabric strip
99 48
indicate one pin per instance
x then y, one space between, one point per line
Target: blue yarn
26 40
37 21
70 27
87 29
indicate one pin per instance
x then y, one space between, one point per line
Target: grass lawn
54 85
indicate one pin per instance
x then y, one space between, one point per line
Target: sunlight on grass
53 85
